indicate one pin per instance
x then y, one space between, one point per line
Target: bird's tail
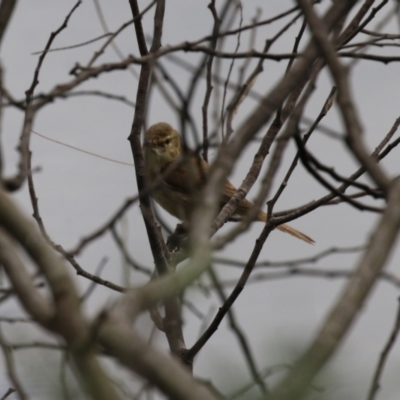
288 229
294 232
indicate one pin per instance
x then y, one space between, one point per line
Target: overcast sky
78 192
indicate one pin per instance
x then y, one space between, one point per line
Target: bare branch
350 302
9 391
34 303
6 10
68 320
10 366
162 370
384 355
354 131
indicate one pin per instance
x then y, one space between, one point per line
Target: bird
176 190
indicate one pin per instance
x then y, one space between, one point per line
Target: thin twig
53 35
326 107
74 46
81 150
305 156
191 353
291 263
10 366
287 216
9 391
375 385
209 87
6 10
237 330
126 255
93 285
116 33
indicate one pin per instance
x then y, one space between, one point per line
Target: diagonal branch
354 138
352 299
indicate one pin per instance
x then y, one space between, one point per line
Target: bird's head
162 143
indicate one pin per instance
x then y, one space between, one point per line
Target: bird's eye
167 141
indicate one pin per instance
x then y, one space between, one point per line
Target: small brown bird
177 192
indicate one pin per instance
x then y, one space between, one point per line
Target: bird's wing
189 176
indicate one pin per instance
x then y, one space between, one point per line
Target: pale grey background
78 192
